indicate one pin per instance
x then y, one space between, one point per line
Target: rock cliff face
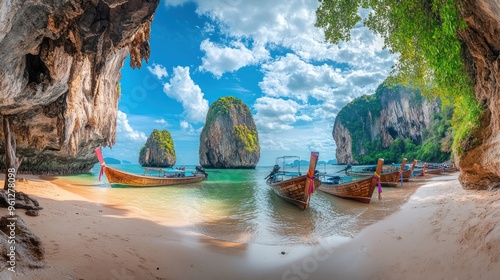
388 114
60 65
343 140
229 138
158 151
480 160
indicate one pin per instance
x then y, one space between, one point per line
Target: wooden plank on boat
360 190
297 190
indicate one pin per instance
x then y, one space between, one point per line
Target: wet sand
440 232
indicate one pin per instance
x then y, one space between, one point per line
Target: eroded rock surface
393 113
29 250
158 151
229 138
480 161
60 66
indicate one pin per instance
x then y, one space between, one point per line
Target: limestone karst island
315 139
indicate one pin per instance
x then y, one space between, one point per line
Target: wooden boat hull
390 179
434 171
407 175
418 172
118 177
295 190
359 190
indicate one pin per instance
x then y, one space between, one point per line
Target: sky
266 53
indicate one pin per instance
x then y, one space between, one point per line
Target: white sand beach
441 232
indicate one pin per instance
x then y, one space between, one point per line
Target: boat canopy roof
288 161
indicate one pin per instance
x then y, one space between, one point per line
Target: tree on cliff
159 150
229 138
424 33
448 48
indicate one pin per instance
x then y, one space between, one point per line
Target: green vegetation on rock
163 140
248 137
360 115
119 89
229 138
222 106
352 116
424 33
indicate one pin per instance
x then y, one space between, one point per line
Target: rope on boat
379 187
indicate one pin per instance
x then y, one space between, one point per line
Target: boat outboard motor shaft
201 170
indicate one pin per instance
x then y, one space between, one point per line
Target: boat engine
275 170
201 170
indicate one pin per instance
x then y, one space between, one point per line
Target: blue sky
266 53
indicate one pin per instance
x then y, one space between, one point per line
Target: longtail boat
419 171
433 171
407 173
291 185
450 169
359 190
387 178
118 177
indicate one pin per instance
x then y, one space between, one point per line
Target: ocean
237 205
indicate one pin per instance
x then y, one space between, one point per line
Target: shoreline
434 234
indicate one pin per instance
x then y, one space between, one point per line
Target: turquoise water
233 205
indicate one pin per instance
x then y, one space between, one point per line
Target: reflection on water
237 205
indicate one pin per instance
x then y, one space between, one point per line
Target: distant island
111 160
306 163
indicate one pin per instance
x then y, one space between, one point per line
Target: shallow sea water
237 205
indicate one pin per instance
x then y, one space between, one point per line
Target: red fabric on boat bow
379 187
311 184
101 171
310 172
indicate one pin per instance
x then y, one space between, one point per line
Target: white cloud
125 132
162 122
275 114
187 127
220 59
262 20
290 25
183 89
158 70
308 82
128 140
292 77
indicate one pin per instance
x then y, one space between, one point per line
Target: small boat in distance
419 170
292 186
433 169
451 168
118 177
360 190
408 173
389 177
